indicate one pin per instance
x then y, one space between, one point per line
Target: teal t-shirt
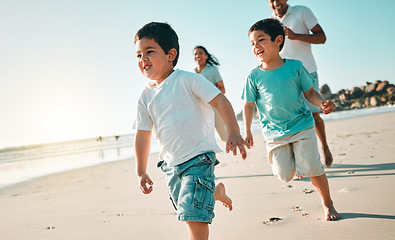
276 94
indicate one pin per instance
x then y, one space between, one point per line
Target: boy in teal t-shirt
288 126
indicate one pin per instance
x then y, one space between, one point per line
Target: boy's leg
220 195
282 160
198 230
322 186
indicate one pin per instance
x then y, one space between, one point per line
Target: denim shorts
191 186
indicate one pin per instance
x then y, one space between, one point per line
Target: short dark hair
211 60
271 27
163 34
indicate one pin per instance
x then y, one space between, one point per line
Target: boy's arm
315 98
142 144
248 113
225 109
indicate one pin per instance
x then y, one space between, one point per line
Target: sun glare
62 124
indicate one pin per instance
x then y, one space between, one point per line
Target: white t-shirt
301 20
211 73
178 109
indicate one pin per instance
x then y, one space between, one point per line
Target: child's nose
143 58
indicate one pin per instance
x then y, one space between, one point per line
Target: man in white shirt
301 30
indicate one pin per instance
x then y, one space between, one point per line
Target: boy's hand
249 139
328 106
236 141
144 179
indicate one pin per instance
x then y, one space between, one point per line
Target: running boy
177 106
288 126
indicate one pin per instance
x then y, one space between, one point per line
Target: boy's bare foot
221 196
331 214
328 158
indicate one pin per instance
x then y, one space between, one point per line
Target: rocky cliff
375 94
371 95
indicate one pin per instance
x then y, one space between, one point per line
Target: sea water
19 164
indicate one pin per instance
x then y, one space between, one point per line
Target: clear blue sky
68 68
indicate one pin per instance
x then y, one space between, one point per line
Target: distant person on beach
301 30
178 107
287 125
207 66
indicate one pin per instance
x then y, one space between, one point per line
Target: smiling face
279 7
153 62
263 47
200 57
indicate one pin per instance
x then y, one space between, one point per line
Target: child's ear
279 39
172 54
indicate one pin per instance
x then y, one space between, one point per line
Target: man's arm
142 145
315 98
248 113
317 37
225 109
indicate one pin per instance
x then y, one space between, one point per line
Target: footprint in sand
296 209
272 220
307 191
299 209
304 214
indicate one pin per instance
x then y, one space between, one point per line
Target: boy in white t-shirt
178 107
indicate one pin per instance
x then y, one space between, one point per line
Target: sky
68 69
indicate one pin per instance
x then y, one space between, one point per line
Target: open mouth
146 67
259 53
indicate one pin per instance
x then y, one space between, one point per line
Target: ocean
19 164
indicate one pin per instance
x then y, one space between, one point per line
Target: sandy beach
104 202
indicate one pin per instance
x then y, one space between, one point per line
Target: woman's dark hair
211 60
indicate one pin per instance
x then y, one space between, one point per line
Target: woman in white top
207 66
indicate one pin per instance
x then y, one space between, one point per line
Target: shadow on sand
345 216
354 170
341 170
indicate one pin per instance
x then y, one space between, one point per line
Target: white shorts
295 155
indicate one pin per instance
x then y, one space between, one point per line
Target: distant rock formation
376 94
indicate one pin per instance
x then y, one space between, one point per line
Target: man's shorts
316 85
191 186
295 154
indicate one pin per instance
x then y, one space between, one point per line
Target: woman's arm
221 86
